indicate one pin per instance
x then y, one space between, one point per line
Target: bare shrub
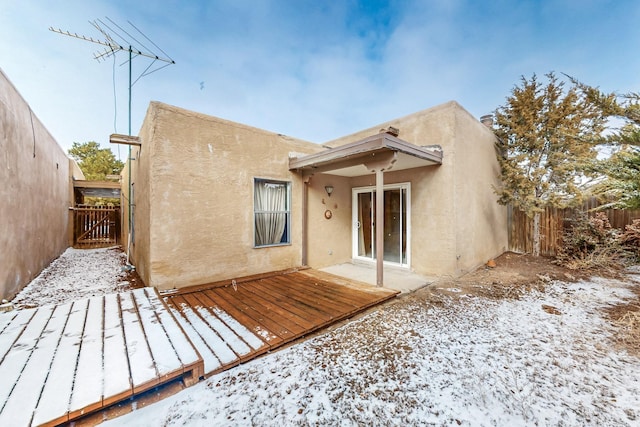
591 243
630 239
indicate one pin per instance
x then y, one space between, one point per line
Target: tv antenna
116 39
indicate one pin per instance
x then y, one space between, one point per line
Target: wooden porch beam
379 227
360 159
381 163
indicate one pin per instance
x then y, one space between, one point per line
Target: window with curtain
272 212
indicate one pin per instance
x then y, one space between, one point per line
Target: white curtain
270 202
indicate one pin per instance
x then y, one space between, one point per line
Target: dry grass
605 260
629 329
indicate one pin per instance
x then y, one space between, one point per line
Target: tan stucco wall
195 186
456 223
34 172
193 181
139 244
481 223
329 239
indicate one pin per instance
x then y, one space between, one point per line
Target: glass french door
396 224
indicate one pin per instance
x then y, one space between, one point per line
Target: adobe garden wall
34 177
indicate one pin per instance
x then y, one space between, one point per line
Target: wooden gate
96 226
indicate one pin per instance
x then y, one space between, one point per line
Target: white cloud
313 70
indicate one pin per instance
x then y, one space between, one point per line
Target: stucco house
214 200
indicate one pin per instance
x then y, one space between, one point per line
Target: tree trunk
536 234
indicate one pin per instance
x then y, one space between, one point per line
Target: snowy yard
76 274
547 358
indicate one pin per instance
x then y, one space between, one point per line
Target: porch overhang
107 189
377 155
350 160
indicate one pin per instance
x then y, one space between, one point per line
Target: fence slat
553 222
96 226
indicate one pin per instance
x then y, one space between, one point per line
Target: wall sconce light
328 189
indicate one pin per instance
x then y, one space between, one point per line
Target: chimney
487 120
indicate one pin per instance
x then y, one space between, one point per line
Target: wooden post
379 227
306 180
381 163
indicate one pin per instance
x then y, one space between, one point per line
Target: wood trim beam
354 160
358 151
96 184
382 162
116 138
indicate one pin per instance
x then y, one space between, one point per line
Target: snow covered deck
59 362
234 321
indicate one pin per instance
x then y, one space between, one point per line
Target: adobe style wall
193 195
456 223
34 177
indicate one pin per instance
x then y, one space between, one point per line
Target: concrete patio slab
395 278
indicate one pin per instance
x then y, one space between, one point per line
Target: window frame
287 212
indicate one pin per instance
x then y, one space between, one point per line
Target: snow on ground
76 274
442 360
462 361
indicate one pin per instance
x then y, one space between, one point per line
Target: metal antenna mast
117 39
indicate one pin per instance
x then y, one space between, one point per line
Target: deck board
310 298
102 350
163 353
145 374
253 325
89 375
238 328
266 326
117 385
211 362
16 361
185 350
58 363
13 330
27 391
273 309
218 346
53 406
283 305
328 297
302 301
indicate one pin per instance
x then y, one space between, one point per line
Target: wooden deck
58 363
234 321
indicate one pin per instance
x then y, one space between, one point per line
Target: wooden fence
96 226
552 224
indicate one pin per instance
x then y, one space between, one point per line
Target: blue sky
314 70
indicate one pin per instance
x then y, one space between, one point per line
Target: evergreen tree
95 162
622 168
547 139
623 179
